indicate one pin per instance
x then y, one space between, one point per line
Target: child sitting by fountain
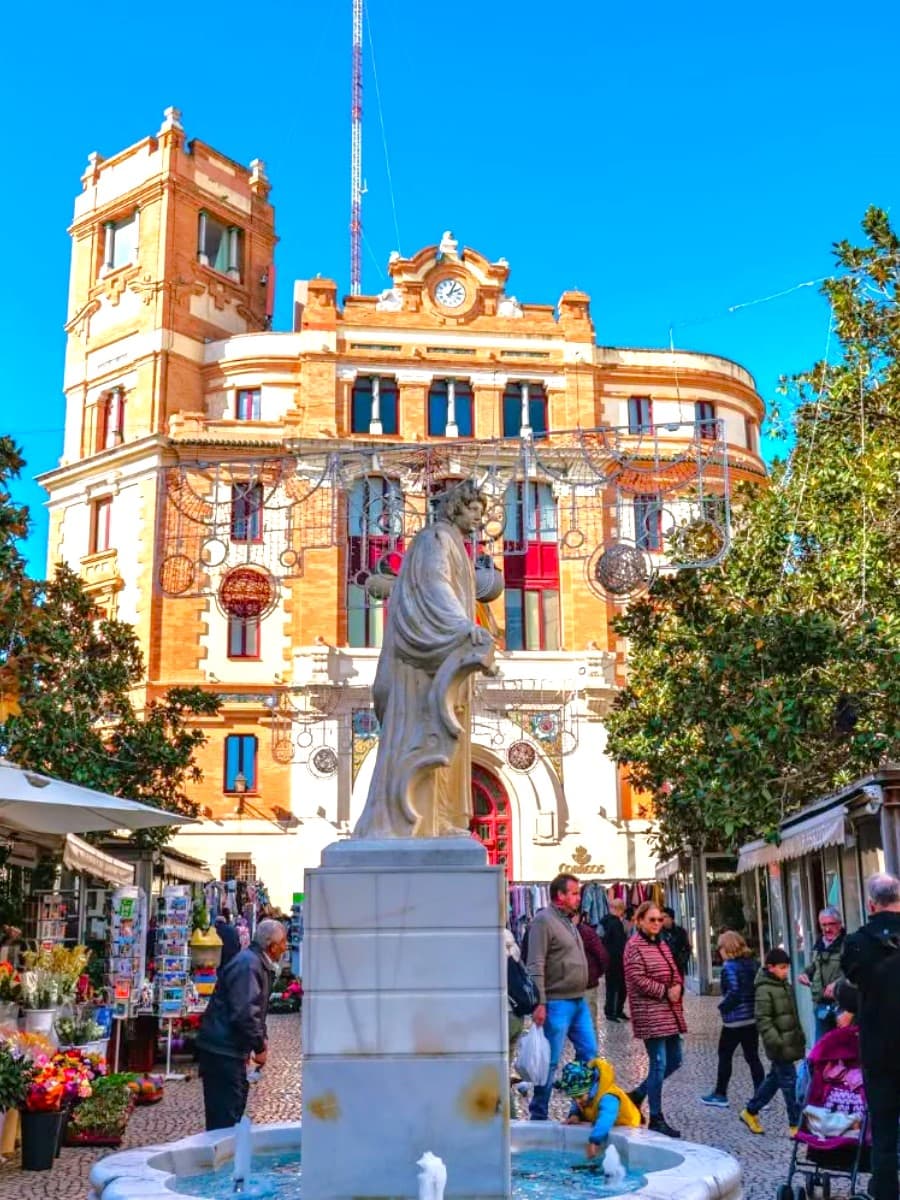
597 1101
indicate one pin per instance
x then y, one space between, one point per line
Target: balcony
100 572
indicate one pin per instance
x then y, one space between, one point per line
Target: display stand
46 914
125 953
173 960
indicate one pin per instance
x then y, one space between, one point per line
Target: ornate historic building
243 496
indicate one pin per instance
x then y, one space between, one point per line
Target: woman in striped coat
655 990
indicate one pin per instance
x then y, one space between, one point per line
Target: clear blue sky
673 160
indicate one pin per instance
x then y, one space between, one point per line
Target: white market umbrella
34 803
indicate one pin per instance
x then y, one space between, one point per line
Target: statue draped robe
421 785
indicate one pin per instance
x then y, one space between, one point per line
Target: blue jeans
565 1018
781 1075
665 1056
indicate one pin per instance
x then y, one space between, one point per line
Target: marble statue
421 785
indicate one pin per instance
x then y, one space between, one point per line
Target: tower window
450 408
120 245
648 522
705 419
640 414
247 404
111 419
531 567
246 512
243 637
99 538
374 541
219 245
525 410
374 406
750 433
240 762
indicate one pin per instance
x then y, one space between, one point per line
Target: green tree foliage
76 682
761 684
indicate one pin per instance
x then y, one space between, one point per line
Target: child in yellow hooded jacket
597 1100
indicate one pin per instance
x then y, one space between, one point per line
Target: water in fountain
613 1168
432 1177
243 1153
536 1175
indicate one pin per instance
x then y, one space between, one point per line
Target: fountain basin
674 1170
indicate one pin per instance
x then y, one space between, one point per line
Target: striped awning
828 828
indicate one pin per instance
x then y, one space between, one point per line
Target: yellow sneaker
792 1130
751 1120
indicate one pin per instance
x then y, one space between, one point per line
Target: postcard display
126 943
173 960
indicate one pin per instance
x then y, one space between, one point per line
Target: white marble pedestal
404 1020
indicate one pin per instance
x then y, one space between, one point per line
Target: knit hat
576 1079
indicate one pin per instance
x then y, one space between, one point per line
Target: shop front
707 896
823 855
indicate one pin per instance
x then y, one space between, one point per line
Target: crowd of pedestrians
854 979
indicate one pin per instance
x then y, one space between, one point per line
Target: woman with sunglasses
824 972
656 989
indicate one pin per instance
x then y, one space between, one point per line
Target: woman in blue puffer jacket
739 969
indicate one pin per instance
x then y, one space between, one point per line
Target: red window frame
247 403
241 751
246 512
244 637
640 414
99 538
705 418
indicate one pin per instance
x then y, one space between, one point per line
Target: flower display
51 976
10 983
46 1090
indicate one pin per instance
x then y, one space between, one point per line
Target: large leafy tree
72 686
758 685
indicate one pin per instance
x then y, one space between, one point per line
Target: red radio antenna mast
356 183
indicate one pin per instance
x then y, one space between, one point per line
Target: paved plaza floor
277 1097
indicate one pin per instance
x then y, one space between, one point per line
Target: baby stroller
833 1139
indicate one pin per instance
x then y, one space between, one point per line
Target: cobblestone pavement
277 1097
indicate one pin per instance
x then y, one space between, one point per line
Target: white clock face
450 293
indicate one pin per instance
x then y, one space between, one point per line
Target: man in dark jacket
234 1025
229 937
679 942
871 964
612 931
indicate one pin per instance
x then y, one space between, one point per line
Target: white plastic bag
533 1056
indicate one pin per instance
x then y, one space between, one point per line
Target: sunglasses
654 920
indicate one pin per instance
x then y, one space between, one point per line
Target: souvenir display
126 939
173 930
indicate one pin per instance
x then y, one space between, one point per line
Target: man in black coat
679 942
234 1025
612 931
871 964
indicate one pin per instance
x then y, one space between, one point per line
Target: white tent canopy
34 803
82 856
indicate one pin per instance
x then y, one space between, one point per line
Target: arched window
374 406
491 820
450 408
525 409
531 568
374 540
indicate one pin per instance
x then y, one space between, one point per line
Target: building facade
243 497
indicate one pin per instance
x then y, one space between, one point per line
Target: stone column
404 1020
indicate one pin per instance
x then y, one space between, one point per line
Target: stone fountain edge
676 1170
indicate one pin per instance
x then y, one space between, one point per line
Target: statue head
462 504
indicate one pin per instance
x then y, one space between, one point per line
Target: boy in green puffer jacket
783 1039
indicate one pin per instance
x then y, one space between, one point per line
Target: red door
491 822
